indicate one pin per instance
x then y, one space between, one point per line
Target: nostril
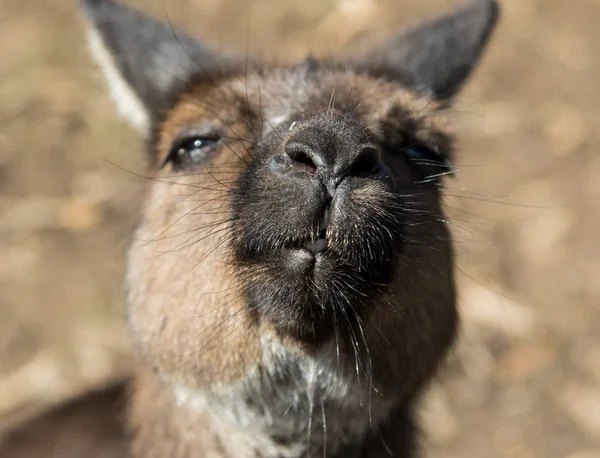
304 159
300 156
366 162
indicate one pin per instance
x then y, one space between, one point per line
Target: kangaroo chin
290 287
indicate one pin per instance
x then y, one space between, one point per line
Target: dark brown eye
190 151
434 164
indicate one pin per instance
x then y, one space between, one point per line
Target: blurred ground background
525 382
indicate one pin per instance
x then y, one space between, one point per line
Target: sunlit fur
250 342
221 308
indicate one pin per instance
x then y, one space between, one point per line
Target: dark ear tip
484 15
95 3
91 4
494 11
493 16
490 9
92 7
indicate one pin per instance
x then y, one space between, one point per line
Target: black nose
361 162
329 149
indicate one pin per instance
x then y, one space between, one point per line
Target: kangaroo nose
329 147
332 166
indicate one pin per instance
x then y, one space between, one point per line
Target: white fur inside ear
128 103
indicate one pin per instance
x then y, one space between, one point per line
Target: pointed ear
438 55
143 61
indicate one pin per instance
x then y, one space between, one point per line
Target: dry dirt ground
525 382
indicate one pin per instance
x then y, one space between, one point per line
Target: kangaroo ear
143 61
438 55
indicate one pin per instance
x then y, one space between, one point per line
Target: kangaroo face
293 234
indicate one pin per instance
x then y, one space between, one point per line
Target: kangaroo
290 287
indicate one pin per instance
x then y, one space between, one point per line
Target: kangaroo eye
435 164
190 151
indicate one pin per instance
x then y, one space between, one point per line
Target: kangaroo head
292 251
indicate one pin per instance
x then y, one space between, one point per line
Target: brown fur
227 336
216 345
220 374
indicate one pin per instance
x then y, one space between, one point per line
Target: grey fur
439 55
154 58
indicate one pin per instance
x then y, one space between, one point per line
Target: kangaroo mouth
320 244
316 247
322 261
